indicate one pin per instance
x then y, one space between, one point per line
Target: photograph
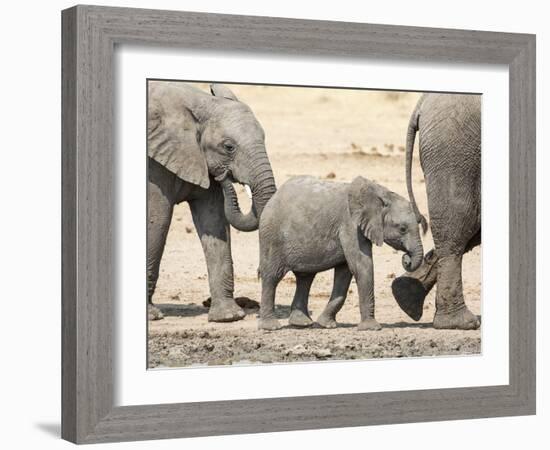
292 224
257 225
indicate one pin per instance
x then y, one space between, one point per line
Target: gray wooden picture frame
90 34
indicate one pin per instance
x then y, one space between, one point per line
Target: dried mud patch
199 347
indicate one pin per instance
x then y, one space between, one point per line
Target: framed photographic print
268 222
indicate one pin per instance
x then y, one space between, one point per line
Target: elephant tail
411 135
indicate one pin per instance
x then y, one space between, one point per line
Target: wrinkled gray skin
310 226
449 128
198 144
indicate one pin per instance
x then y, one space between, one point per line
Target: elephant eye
229 147
402 229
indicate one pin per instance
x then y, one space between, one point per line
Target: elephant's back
450 135
451 118
307 196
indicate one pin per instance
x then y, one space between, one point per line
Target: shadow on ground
53 429
189 310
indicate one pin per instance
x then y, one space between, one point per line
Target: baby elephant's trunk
413 258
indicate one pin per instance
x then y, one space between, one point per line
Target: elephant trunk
414 257
262 187
233 213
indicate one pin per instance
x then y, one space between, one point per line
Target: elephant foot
410 294
326 321
226 311
463 319
299 319
153 313
369 325
269 324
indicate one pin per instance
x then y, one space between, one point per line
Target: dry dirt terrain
330 134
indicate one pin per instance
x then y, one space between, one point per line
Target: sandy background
331 134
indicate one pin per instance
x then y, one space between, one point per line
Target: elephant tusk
248 191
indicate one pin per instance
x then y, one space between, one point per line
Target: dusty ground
332 134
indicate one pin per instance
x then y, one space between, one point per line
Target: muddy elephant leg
360 264
299 315
159 216
268 320
342 280
213 230
451 311
411 288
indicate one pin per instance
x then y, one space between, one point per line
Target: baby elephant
310 226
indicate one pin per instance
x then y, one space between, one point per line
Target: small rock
154 313
390 276
330 175
204 334
323 353
174 353
266 358
297 350
188 230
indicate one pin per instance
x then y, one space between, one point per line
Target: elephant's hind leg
342 280
159 216
451 311
299 315
268 320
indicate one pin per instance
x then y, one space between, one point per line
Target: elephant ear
172 136
220 90
367 207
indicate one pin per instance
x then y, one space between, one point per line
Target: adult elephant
449 128
198 145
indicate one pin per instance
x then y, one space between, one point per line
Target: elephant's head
384 216
197 135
